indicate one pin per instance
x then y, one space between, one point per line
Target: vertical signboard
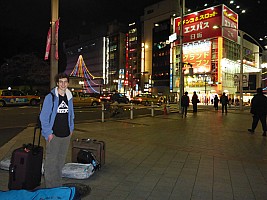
230 19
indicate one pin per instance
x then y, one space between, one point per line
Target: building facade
144 58
212 46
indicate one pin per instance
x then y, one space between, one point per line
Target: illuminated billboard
200 25
198 54
230 19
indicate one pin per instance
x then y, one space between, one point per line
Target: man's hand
50 137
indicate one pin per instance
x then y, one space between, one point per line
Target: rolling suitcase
25 169
94 146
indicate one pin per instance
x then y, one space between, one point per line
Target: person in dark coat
216 102
184 103
259 110
195 100
224 102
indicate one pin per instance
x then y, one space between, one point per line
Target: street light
241 33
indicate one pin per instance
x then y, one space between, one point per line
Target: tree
24 69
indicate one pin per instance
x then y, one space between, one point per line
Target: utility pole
53 60
241 69
181 85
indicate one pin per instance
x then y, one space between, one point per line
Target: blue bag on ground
66 193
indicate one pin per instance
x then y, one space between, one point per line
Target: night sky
24 23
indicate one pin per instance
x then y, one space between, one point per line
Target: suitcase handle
34 133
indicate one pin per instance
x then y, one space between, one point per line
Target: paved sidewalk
208 155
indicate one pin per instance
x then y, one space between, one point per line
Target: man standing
57 122
184 104
224 102
259 111
216 102
195 101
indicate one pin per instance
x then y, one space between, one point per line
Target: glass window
17 93
7 93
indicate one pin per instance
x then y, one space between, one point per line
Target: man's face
63 84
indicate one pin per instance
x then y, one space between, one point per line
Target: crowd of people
258 107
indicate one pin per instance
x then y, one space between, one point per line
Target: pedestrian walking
229 102
184 104
259 110
216 102
195 101
57 122
224 102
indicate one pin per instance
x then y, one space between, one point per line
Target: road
16 118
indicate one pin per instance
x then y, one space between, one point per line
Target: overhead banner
56 38
48 44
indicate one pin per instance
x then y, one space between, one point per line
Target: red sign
48 44
56 38
230 19
200 25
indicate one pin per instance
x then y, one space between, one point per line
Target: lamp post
242 34
205 79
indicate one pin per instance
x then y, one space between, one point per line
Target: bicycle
114 110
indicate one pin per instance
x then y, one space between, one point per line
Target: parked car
120 98
84 99
114 97
17 97
146 99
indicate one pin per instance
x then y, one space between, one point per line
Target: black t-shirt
61 124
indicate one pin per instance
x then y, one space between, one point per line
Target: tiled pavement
208 155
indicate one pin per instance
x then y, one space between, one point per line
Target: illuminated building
142 58
155 50
133 58
103 52
214 55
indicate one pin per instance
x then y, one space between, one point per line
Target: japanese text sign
200 25
199 55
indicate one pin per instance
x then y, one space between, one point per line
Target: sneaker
251 131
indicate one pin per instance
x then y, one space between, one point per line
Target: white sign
245 79
173 37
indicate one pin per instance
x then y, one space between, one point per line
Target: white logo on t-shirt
63 108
